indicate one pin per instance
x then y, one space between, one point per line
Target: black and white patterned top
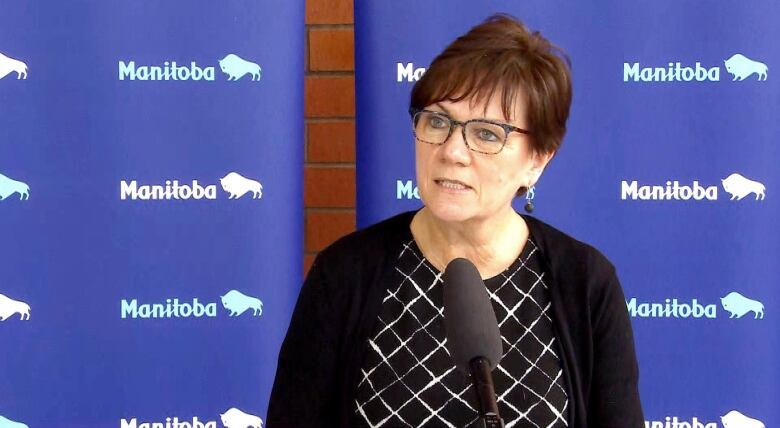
409 378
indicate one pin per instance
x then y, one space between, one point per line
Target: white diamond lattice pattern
408 378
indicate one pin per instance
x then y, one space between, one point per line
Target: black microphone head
469 320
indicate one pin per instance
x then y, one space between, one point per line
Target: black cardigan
320 359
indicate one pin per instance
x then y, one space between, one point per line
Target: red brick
331 50
329 187
308 259
331 142
330 96
329 12
324 227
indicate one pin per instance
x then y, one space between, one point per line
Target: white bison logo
741 67
8 187
734 419
9 307
238 303
8 64
739 187
738 305
7 423
238 185
234 418
236 67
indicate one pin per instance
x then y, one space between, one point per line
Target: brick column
329 178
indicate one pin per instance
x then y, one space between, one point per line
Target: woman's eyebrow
497 120
443 108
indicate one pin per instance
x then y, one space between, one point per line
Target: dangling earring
529 196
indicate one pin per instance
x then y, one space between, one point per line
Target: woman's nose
455 149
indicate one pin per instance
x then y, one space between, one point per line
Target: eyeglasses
480 135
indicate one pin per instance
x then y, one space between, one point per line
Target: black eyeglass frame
413 112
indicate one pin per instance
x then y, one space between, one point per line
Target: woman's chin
449 212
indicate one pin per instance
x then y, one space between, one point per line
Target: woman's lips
451 184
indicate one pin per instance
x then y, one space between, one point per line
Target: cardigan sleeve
614 396
305 388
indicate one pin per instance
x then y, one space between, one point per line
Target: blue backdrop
150 182
669 167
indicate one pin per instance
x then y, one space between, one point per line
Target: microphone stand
486 395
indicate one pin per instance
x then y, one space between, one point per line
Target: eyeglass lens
481 136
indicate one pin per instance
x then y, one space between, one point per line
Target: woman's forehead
492 109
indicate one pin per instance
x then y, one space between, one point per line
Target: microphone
473 337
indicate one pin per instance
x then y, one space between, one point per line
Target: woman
366 344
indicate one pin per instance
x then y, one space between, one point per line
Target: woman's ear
539 161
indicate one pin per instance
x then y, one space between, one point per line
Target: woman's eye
439 122
487 135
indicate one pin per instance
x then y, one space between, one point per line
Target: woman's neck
492 244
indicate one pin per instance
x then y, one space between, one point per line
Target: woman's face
457 184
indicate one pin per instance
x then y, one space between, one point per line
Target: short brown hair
500 54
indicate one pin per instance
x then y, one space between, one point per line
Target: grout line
330 73
330 165
320 27
330 119
330 209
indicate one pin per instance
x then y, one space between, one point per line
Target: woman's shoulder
371 242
